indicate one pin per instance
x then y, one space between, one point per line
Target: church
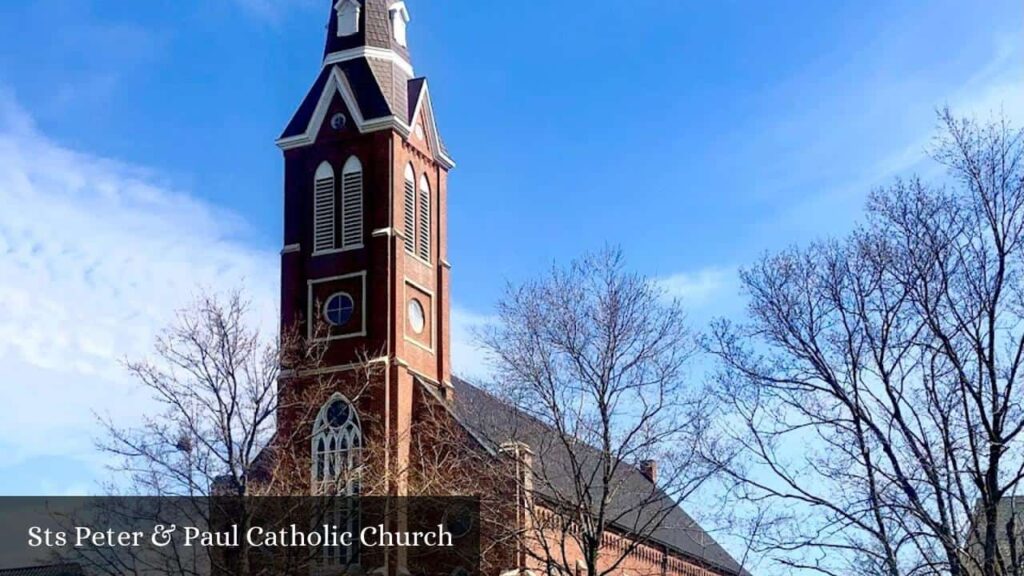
365 273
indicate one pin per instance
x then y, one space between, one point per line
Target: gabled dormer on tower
347 13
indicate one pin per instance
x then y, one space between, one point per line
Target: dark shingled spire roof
374 29
380 78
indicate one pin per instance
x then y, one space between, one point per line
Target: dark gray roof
371 100
51 570
393 83
382 86
416 86
640 505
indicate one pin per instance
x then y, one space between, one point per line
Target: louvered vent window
323 209
352 204
410 210
424 237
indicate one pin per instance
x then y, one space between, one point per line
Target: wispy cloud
468 359
702 289
95 257
995 88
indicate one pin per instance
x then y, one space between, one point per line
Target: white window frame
423 248
325 230
409 216
352 204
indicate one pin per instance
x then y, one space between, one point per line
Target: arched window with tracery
337 448
337 471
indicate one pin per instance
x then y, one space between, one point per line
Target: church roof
639 501
369 96
372 71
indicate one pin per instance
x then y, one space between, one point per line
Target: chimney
649 468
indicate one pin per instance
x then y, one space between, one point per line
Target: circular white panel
417 318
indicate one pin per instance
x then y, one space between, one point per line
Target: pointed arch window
410 209
424 236
337 471
352 204
323 209
337 448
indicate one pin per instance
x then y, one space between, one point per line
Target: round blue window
338 413
338 309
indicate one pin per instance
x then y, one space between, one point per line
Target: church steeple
364 267
366 177
366 61
356 24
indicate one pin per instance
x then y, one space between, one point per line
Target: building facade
365 274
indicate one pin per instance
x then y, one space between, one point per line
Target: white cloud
701 289
467 358
999 86
996 88
95 257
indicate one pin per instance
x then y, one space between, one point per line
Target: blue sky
137 159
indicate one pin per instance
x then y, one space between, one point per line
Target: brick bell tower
365 244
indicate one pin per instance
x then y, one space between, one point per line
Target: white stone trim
338 250
405 313
370 52
291 374
435 139
309 307
338 82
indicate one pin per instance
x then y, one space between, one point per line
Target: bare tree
593 357
215 434
216 378
876 385
223 391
